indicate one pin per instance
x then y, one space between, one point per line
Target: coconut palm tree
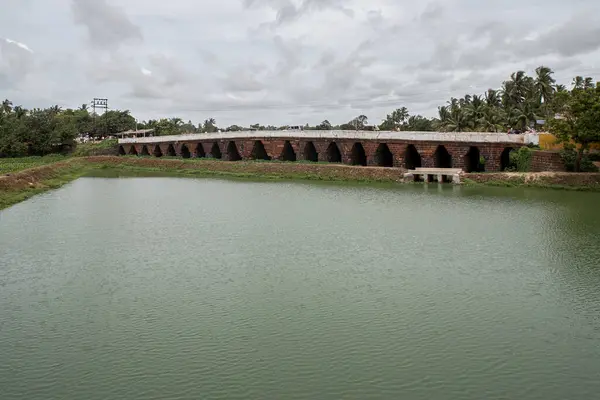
491 120
492 98
6 107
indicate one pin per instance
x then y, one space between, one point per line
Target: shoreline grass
52 173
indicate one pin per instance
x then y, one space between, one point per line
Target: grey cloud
289 11
108 26
15 63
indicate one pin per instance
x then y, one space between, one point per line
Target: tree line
521 102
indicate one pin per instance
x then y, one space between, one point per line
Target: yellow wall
549 142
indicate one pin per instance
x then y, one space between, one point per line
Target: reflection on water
164 288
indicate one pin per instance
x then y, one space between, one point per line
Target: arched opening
121 151
442 158
145 151
200 151
157 151
171 151
185 152
310 152
472 160
288 153
358 155
505 159
333 153
215 151
133 151
232 152
412 158
383 156
259 152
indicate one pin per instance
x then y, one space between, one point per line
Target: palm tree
6 106
474 110
492 98
578 82
491 120
544 84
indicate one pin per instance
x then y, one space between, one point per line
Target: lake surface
166 288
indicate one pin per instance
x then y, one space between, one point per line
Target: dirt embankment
260 169
34 178
590 181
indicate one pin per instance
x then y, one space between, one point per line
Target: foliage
520 160
578 120
96 148
10 165
569 158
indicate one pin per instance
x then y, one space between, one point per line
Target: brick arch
310 152
215 151
233 153
132 151
185 151
472 160
288 153
122 151
442 157
412 157
358 156
157 151
259 152
145 151
505 158
384 156
334 155
171 151
199 151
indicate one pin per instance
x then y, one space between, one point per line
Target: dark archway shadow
310 152
288 153
358 155
232 152
145 151
215 151
121 151
200 151
383 156
505 158
171 151
472 160
259 152
157 151
333 153
185 152
133 151
412 158
442 158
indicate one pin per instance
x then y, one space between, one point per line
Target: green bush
569 158
520 160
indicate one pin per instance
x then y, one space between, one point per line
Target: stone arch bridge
406 150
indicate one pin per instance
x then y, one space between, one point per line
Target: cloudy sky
284 61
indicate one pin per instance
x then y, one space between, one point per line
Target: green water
165 288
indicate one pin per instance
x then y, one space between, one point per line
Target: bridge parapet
459 137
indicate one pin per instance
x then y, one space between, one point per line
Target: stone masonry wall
546 161
458 151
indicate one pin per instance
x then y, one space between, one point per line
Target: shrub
569 158
520 160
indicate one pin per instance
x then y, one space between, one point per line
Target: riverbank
19 186
544 180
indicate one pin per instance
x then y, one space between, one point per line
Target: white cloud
284 61
19 44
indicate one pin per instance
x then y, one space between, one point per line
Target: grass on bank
90 149
10 165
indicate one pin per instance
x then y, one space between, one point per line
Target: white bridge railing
472 137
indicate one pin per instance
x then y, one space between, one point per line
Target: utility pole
101 104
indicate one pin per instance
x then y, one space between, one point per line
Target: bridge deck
470 137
